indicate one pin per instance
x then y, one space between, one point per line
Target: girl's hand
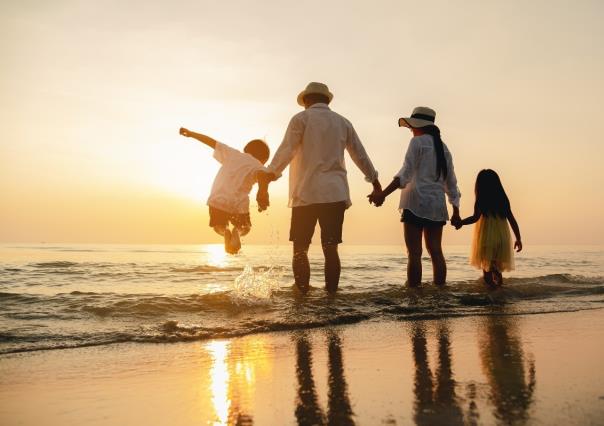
518 245
377 198
185 132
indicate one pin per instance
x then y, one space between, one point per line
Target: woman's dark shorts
221 218
330 217
409 217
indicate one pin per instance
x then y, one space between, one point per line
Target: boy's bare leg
301 266
413 241
235 241
226 232
433 237
332 267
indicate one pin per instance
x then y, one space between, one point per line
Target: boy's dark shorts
409 217
330 217
221 218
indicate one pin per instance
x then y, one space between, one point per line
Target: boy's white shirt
234 181
421 193
313 147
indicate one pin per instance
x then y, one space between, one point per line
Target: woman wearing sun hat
426 176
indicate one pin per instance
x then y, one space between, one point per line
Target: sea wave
84 318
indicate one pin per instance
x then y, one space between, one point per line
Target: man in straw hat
314 146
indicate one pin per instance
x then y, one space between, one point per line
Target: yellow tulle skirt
492 244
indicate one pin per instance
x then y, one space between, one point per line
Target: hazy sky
92 94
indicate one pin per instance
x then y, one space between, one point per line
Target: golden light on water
216 256
220 379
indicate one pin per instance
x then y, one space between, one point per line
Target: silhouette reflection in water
504 365
308 411
435 399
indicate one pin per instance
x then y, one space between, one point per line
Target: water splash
256 286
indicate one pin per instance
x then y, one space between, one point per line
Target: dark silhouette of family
313 147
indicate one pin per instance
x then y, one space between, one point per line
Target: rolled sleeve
359 156
451 187
405 174
222 152
288 147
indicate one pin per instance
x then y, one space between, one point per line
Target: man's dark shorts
330 217
221 218
409 217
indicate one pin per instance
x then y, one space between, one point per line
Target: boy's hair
258 149
491 199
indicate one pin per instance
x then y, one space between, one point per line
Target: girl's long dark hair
441 161
491 199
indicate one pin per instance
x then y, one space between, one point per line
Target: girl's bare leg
488 278
433 237
497 277
413 241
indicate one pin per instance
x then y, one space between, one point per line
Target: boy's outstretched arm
200 137
516 229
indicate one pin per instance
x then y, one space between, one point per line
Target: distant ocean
60 296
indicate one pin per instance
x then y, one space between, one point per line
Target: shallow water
59 296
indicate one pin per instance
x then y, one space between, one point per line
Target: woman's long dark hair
441 161
491 199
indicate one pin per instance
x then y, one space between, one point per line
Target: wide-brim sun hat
420 117
316 88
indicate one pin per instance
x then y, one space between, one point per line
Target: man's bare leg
332 267
301 266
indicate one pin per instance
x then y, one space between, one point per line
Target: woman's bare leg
413 241
433 237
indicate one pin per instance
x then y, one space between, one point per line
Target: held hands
185 132
376 198
518 245
262 199
456 221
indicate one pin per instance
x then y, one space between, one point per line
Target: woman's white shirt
421 192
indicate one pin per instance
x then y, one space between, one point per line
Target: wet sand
498 369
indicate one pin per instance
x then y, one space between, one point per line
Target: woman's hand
518 245
456 222
377 198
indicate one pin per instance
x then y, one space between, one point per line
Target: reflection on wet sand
510 389
439 399
504 365
435 398
235 365
308 411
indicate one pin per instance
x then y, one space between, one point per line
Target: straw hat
421 117
318 88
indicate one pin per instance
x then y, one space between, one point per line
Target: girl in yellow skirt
491 246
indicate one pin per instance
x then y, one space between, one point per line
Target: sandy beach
525 369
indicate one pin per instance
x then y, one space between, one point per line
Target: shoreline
481 369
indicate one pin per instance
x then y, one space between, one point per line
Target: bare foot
235 241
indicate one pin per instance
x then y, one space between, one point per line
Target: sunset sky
93 93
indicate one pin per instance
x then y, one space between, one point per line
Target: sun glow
216 256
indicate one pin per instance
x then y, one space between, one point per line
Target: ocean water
55 296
